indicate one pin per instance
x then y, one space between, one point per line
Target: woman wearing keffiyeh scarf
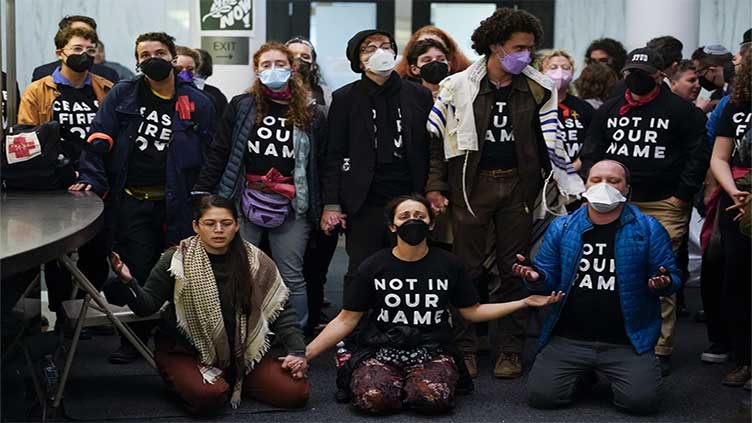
227 328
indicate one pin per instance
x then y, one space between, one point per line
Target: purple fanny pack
266 209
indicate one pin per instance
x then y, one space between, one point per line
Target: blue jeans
287 243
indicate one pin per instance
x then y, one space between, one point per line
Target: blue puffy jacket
642 247
116 125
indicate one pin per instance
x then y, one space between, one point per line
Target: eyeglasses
371 48
91 51
211 224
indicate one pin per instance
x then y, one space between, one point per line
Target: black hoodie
662 143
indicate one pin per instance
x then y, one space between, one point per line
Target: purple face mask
185 76
514 63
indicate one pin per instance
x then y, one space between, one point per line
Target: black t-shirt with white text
499 148
653 140
414 294
574 118
390 180
153 136
74 109
592 311
271 144
735 123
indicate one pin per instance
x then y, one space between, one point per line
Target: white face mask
381 62
603 197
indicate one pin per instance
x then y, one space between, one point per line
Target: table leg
71 353
92 291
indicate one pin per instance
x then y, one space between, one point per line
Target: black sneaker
124 355
716 353
664 361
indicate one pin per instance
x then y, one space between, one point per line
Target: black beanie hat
353 46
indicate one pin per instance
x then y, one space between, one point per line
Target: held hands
543 300
298 366
120 269
438 202
79 187
661 281
741 199
330 219
523 270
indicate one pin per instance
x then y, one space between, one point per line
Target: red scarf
284 95
636 103
273 181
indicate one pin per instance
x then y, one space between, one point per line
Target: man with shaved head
614 263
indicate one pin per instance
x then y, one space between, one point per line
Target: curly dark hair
595 81
500 26
741 86
298 112
162 37
613 48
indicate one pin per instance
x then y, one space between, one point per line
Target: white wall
578 22
119 22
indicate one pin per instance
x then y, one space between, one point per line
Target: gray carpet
99 391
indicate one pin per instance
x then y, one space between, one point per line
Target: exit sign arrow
229 57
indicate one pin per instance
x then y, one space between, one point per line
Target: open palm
543 300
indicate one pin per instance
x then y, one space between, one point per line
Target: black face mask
413 232
304 69
79 62
155 68
434 72
639 83
728 72
706 83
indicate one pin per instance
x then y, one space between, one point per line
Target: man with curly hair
607 51
489 168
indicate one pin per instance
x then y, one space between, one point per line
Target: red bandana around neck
636 103
284 95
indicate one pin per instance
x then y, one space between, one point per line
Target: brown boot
508 366
738 377
472 365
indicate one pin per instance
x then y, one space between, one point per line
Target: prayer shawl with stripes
452 119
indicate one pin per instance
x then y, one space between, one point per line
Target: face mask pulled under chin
603 197
381 62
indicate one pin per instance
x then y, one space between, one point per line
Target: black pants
366 234
735 295
711 286
140 240
92 261
318 256
635 378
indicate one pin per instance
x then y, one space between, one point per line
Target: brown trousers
676 221
498 203
268 382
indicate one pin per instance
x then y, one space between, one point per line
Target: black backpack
33 159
